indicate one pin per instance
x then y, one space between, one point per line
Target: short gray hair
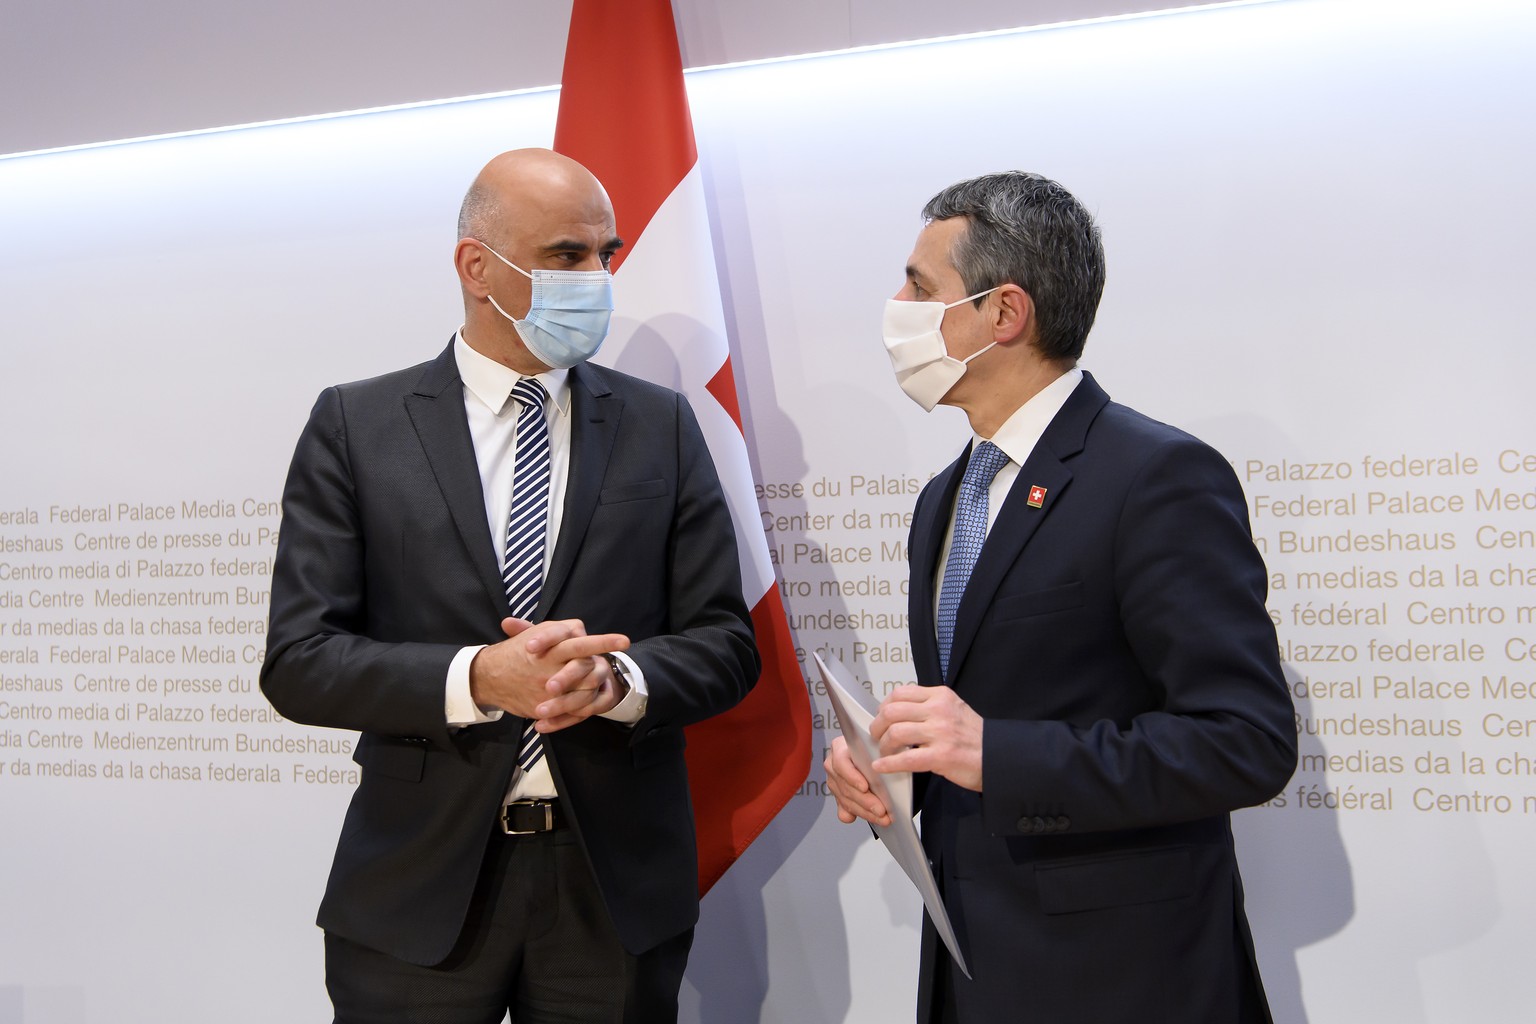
1026 229
480 215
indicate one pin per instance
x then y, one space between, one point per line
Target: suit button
1063 823
1026 824
1041 826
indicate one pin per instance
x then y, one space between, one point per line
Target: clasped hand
918 729
551 672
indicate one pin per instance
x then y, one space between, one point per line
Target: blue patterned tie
523 567
965 546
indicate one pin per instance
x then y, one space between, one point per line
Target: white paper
855 710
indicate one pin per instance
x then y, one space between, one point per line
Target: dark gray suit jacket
385 568
1116 642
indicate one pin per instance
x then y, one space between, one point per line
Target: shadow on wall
1296 879
728 969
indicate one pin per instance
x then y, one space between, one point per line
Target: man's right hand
536 662
851 789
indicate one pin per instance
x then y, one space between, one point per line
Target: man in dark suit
521 838
1100 684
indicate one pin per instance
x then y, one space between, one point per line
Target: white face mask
568 317
915 342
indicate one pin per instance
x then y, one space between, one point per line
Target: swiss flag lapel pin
1036 496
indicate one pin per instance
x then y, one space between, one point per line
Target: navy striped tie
523 567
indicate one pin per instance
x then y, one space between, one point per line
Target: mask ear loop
949 305
519 269
504 313
509 263
968 298
978 352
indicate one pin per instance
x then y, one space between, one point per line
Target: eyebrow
612 245
917 276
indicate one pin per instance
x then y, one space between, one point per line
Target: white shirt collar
492 383
1020 432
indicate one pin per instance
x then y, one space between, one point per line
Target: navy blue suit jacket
1115 641
385 568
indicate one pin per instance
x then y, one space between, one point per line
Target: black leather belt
529 817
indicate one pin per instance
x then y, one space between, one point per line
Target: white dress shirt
492 417
1017 438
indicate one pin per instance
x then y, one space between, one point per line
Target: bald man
514 573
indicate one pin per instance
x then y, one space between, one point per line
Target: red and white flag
624 115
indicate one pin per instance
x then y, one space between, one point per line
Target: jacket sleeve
707 660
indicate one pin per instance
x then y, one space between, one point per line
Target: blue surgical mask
568 317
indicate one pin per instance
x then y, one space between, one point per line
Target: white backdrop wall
1317 224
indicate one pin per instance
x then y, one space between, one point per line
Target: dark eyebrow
571 245
916 276
565 245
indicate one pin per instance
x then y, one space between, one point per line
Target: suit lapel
436 408
1018 519
595 414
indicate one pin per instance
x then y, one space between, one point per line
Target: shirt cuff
458 705
632 708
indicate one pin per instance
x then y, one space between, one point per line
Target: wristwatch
623 678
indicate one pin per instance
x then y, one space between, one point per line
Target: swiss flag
624 114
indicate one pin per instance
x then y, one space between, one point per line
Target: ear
470 262
1015 316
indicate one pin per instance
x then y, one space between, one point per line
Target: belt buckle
549 817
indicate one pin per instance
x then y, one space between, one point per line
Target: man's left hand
929 729
584 687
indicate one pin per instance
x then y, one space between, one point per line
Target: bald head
537 210
516 183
